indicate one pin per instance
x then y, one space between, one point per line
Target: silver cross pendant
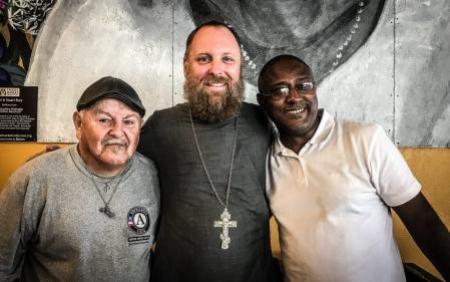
225 223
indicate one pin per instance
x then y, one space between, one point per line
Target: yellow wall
12 155
430 166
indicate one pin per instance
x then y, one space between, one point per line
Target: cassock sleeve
147 138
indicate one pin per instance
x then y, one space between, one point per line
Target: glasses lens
304 86
280 91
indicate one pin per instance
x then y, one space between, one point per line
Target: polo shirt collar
323 130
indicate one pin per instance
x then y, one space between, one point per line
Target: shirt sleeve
19 214
390 173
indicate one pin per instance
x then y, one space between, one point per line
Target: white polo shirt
332 199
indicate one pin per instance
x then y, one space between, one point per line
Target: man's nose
293 95
216 68
116 129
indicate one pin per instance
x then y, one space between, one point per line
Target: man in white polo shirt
331 185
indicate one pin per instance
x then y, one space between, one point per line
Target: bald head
284 61
216 24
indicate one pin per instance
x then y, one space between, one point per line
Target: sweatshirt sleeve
21 203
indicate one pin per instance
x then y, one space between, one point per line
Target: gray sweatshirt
51 228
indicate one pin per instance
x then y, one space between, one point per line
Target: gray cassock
189 245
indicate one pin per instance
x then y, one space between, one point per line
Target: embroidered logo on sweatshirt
138 220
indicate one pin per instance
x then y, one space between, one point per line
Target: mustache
297 106
114 141
215 79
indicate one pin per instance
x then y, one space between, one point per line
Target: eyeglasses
283 90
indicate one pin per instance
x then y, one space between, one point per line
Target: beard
206 107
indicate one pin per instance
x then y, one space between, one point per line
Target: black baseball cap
111 87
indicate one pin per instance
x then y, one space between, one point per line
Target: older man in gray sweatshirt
86 212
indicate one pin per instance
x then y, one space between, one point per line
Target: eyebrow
131 116
210 54
279 84
306 78
202 53
230 53
99 111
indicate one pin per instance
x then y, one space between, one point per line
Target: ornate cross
225 223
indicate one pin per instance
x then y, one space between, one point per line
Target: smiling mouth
295 110
215 84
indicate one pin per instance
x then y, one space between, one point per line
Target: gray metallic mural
325 33
376 60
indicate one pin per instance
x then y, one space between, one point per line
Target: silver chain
106 210
230 173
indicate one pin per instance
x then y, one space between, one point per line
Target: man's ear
76 117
